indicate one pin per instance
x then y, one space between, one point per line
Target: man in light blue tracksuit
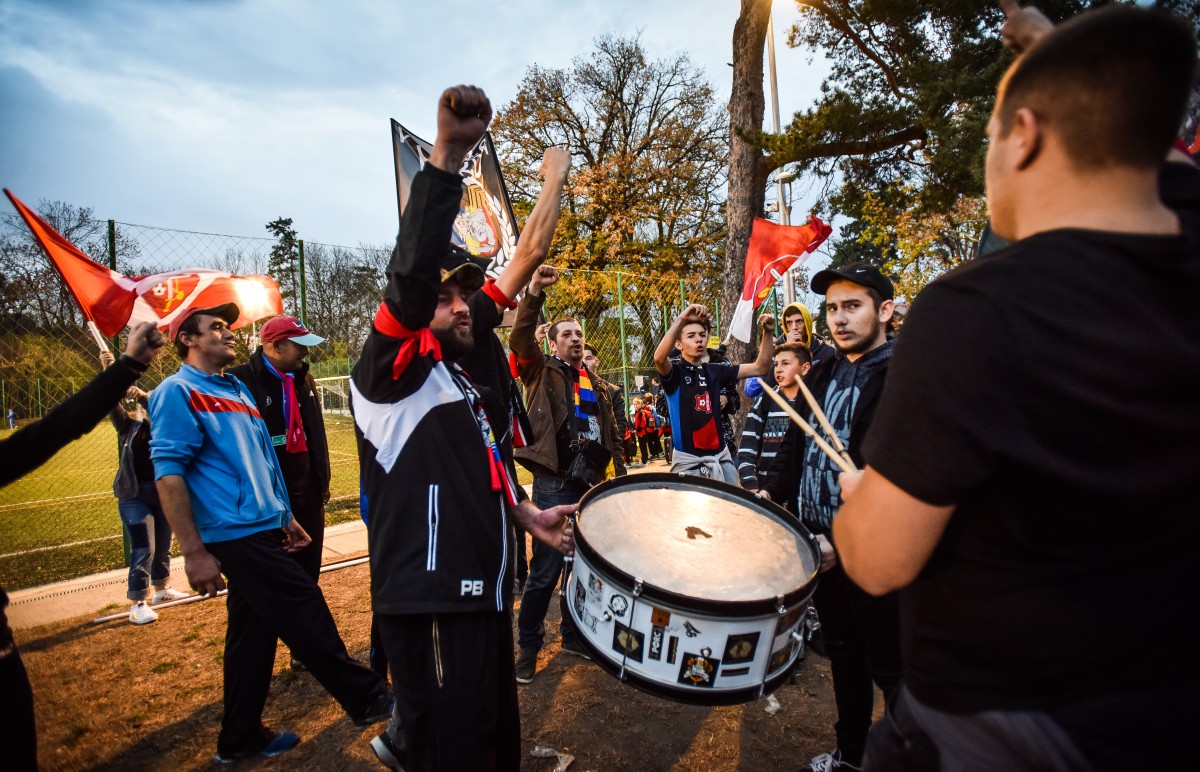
223 492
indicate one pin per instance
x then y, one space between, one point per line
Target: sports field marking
55 500
59 546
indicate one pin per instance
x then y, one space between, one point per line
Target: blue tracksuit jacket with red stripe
208 429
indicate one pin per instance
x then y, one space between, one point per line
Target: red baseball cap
229 312
288 328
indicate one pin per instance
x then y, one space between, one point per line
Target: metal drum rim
690 602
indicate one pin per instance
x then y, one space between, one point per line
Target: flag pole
101 343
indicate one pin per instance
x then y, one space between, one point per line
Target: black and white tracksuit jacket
437 505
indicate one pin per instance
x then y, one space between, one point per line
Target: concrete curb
93 595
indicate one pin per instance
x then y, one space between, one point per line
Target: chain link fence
60 521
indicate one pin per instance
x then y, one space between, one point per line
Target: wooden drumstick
845 464
823 421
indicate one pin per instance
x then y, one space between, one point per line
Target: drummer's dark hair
1111 83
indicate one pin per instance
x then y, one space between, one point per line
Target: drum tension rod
637 591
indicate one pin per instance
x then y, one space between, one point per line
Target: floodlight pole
789 292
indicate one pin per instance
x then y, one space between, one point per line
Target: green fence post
303 288
112 245
621 321
682 294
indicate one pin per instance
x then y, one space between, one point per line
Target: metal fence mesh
60 521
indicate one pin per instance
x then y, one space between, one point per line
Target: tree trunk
747 175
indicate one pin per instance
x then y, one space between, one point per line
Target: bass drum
688 588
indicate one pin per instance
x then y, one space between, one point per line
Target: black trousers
18 733
310 514
456 692
271 597
862 638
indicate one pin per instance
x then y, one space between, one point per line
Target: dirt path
124 697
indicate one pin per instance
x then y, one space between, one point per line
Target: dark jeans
545 567
456 692
271 597
18 735
149 541
862 638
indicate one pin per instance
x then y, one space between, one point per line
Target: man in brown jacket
567 414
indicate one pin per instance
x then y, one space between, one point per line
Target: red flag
112 300
773 250
106 297
163 296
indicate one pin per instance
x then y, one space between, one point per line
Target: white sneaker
141 614
166 594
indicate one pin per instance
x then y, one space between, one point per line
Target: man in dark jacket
286 395
861 632
438 486
23 452
565 411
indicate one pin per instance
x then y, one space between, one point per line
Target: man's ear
1028 133
886 309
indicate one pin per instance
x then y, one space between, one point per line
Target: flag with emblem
112 300
773 250
486 225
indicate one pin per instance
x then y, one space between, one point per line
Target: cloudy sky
221 115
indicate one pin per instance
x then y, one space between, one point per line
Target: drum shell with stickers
690 589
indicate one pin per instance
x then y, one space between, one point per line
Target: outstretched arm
662 354
766 351
523 340
1023 27
413 278
548 525
34 444
884 535
538 233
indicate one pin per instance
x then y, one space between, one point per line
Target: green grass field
60 521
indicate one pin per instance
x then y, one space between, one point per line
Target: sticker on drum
628 642
698 670
664 558
740 648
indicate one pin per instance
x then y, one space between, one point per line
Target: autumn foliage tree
649 149
648 145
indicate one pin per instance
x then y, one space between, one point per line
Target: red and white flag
113 300
773 250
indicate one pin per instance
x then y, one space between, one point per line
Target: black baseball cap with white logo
859 273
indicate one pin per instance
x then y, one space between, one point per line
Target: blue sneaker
281 743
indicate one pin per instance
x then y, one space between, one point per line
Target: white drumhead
694 541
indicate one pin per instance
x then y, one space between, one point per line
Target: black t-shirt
1051 390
